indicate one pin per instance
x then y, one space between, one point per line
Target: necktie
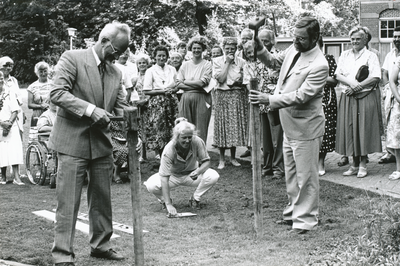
295 58
102 69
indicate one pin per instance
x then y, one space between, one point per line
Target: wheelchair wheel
35 163
52 170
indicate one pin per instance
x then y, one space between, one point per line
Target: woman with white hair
357 132
38 92
184 162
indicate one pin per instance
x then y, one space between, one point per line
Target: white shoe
352 171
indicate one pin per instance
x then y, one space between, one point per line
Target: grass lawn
221 234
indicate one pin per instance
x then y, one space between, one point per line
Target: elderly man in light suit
86 88
298 97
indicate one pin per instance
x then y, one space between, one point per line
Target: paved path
376 180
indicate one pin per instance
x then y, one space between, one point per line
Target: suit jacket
77 83
299 93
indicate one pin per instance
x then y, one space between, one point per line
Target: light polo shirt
175 165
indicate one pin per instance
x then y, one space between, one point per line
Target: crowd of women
176 83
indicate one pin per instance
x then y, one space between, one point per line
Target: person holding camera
184 162
11 152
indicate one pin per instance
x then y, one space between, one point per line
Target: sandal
395 175
362 172
343 161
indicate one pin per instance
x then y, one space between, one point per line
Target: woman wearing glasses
357 132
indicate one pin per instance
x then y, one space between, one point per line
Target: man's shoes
108 255
284 222
247 153
267 172
65 264
195 204
389 158
343 161
298 231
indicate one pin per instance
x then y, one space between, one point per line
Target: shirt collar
310 51
96 57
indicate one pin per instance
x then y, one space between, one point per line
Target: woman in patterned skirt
162 108
329 103
230 102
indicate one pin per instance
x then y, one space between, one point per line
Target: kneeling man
184 162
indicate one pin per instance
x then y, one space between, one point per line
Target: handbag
362 73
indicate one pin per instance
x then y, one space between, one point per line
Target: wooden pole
256 163
131 126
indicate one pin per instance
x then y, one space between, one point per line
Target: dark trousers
272 138
70 180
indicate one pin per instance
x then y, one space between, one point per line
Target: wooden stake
256 163
131 126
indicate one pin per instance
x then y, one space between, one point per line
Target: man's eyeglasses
115 51
8 65
397 37
300 39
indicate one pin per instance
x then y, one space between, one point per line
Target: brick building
381 17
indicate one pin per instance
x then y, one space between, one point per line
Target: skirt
358 127
230 118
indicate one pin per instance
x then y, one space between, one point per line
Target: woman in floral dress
159 84
230 102
329 103
393 116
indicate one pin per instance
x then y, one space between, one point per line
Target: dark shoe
298 231
284 222
247 153
267 172
65 264
387 159
194 203
108 255
343 161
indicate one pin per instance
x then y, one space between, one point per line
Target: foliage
34 30
380 243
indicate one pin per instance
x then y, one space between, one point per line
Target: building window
389 20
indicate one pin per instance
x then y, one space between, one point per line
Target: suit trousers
302 184
204 182
272 139
70 177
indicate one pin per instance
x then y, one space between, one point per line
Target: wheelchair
41 162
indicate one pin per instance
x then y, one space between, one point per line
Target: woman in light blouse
230 103
38 91
357 132
159 84
193 78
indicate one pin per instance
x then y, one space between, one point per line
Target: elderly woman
11 86
176 60
185 162
357 132
193 78
230 106
10 141
38 91
162 108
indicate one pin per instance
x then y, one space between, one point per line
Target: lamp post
71 33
